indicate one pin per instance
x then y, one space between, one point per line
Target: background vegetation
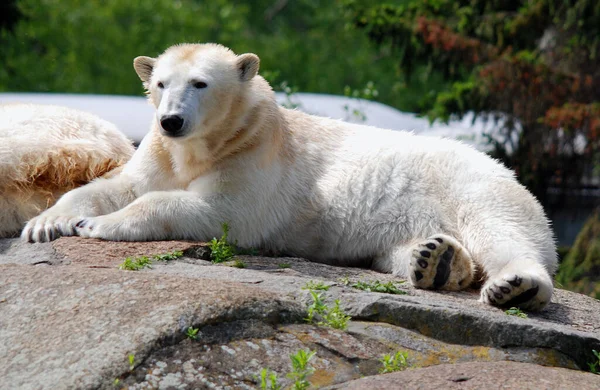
532 66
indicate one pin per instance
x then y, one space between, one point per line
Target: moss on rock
580 269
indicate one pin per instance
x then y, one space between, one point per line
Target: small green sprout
377 286
284 265
192 333
221 250
168 256
116 382
333 317
268 380
336 317
312 285
300 369
238 264
515 311
594 366
394 363
131 358
131 264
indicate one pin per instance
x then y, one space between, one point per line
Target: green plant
515 311
367 93
221 250
594 366
238 264
312 285
284 265
316 307
377 286
131 359
168 256
394 363
300 369
334 317
131 264
192 333
268 380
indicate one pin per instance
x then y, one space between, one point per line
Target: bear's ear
143 67
247 65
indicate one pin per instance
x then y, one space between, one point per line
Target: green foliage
238 264
268 380
221 250
138 263
334 317
299 374
580 269
377 286
48 48
515 311
131 359
312 285
594 366
300 369
192 333
284 265
392 363
168 256
131 264
356 112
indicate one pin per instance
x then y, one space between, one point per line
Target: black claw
81 223
498 295
505 290
516 282
431 246
439 240
425 254
422 263
523 297
418 275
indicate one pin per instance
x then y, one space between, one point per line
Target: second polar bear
47 150
222 150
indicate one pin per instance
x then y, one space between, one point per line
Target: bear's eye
200 84
160 85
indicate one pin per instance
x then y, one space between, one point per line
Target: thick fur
46 151
432 210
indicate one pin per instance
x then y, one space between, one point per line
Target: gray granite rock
69 318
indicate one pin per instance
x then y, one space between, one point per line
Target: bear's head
195 87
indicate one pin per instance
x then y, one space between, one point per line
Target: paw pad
434 262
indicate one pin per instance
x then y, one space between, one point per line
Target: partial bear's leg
438 262
509 237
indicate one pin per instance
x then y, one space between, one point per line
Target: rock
74 321
478 375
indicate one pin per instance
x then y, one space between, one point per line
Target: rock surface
69 318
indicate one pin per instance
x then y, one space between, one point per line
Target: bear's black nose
171 123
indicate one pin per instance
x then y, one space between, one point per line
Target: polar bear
46 151
221 150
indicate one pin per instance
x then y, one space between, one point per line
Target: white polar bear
221 150
46 151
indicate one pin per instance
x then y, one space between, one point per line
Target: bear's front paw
97 227
517 290
441 262
48 228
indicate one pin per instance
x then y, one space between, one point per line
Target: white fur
46 151
319 188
